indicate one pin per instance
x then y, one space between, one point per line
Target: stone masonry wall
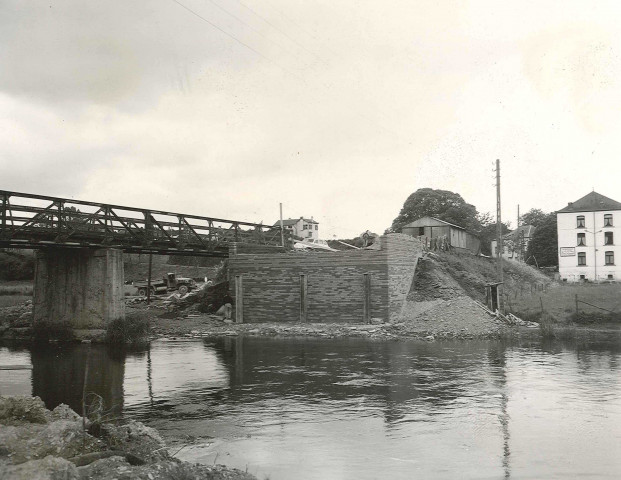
403 254
335 282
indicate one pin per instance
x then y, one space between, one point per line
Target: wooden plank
366 311
303 299
239 299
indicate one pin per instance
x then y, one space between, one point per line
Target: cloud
339 110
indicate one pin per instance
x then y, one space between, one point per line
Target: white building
589 239
301 227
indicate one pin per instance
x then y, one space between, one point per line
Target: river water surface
357 409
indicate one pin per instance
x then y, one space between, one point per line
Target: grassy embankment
15 292
531 295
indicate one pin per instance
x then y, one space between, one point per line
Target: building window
608 238
581 239
310 234
316 227
611 276
582 277
581 259
421 231
610 258
608 220
580 221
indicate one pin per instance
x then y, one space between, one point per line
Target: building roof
292 221
527 229
592 202
420 222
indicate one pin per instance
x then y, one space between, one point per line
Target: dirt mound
432 281
460 316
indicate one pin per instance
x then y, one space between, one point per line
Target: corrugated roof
591 202
436 219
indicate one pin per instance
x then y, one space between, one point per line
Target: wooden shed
434 231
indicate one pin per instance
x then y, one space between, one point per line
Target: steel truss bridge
37 221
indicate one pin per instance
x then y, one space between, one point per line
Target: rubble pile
460 316
200 326
17 315
42 444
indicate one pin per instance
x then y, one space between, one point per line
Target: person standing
228 307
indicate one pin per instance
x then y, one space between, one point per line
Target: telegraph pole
282 233
499 245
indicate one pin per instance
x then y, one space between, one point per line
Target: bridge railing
32 221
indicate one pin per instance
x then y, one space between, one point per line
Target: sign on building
568 251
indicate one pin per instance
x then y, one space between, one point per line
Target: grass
473 273
16 288
129 331
11 301
15 293
559 302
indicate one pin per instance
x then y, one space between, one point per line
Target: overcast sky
337 109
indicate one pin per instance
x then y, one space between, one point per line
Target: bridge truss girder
37 221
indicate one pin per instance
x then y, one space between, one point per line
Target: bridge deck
37 221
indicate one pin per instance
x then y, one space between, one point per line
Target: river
356 409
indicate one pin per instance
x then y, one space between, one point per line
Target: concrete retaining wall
81 287
347 286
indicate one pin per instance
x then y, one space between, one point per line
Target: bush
15 266
130 331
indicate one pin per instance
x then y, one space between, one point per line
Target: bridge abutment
83 288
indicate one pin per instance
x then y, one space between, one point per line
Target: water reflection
59 375
362 409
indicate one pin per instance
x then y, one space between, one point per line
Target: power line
310 34
282 32
265 57
249 26
236 39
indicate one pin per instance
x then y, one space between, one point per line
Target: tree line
451 207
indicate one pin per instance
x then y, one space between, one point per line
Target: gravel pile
460 317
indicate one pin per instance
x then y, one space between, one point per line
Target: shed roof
591 202
429 222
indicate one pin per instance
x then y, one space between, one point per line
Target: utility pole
282 233
518 239
499 244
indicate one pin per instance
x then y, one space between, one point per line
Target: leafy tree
441 204
487 233
543 247
534 217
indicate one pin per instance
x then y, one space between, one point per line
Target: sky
336 109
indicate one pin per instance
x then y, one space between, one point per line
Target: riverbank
41 444
459 318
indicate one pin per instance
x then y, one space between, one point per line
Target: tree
487 233
543 247
441 204
534 217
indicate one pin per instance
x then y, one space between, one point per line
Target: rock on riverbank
36 443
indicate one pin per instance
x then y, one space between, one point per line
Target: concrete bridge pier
81 287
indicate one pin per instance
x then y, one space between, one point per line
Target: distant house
586 238
515 243
301 227
436 233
